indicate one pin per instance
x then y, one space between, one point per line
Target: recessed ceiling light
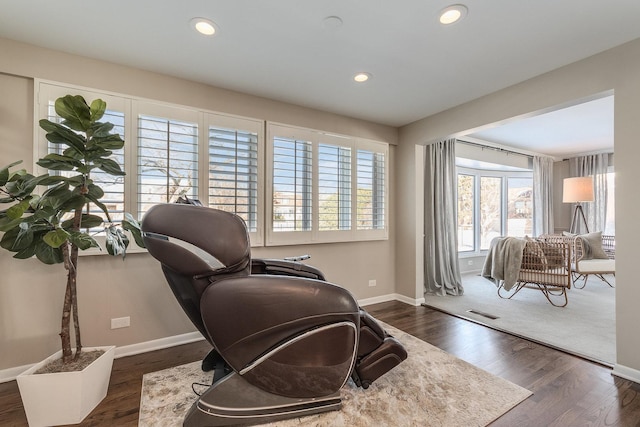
204 26
453 14
362 77
332 22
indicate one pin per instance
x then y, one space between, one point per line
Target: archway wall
616 70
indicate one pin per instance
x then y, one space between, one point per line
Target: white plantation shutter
334 187
371 190
233 173
298 186
292 184
167 160
324 187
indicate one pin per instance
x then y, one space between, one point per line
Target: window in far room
492 203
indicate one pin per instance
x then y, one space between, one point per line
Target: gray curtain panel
542 195
595 165
442 272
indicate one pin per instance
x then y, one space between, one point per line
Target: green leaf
16 211
56 238
60 134
59 162
83 240
110 167
99 204
52 180
75 112
98 107
131 225
9 239
77 201
7 223
87 221
26 253
78 180
25 237
116 241
111 142
100 129
90 221
21 186
97 153
4 172
95 191
56 196
72 153
47 254
18 238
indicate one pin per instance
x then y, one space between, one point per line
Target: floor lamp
578 190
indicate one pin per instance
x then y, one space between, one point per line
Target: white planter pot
65 397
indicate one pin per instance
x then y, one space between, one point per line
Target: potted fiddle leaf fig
54 224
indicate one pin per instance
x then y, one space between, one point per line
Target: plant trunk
70 306
66 309
74 299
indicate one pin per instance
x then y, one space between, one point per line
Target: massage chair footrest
381 360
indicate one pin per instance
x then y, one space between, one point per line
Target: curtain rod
490 147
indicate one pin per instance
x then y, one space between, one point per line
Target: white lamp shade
578 189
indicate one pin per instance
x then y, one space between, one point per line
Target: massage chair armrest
284 267
247 317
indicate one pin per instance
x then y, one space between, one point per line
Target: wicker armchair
583 263
583 266
546 266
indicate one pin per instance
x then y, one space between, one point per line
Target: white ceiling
582 128
280 49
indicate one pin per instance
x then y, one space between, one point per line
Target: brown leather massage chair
284 340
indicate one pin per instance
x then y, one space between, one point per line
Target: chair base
584 276
233 401
556 295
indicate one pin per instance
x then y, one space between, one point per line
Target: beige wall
561 211
617 69
31 293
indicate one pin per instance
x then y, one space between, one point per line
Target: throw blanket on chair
503 261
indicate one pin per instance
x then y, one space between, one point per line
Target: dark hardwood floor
568 391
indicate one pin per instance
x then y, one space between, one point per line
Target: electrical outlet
470 262
372 282
121 322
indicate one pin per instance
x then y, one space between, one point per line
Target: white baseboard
391 297
143 347
10 374
626 373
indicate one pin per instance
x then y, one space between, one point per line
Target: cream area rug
586 327
430 388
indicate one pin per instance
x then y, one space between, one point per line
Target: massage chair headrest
196 240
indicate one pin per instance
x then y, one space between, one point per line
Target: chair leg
514 290
578 276
601 276
549 293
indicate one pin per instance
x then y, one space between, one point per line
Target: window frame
478 174
315 235
132 106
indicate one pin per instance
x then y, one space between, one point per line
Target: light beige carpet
430 388
585 327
